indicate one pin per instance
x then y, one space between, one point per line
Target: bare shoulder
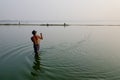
32 37
38 36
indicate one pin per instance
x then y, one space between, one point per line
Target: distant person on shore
36 41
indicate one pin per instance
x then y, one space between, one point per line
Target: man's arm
31 39
41 37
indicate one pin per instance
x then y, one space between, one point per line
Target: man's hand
41 36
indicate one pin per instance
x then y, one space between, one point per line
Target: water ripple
64 61
14 51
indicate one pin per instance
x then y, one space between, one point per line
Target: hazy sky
60 9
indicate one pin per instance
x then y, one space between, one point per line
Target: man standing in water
36 41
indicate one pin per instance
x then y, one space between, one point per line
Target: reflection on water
36 66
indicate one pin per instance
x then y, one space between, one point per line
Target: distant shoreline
59 24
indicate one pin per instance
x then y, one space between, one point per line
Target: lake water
67 53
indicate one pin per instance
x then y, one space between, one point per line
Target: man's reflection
36 66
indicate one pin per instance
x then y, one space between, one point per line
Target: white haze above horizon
90 10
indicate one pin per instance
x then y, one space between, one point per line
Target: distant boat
19 23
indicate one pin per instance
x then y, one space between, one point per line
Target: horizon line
62 24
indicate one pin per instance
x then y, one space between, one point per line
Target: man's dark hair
34 32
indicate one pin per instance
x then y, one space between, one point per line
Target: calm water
70 53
